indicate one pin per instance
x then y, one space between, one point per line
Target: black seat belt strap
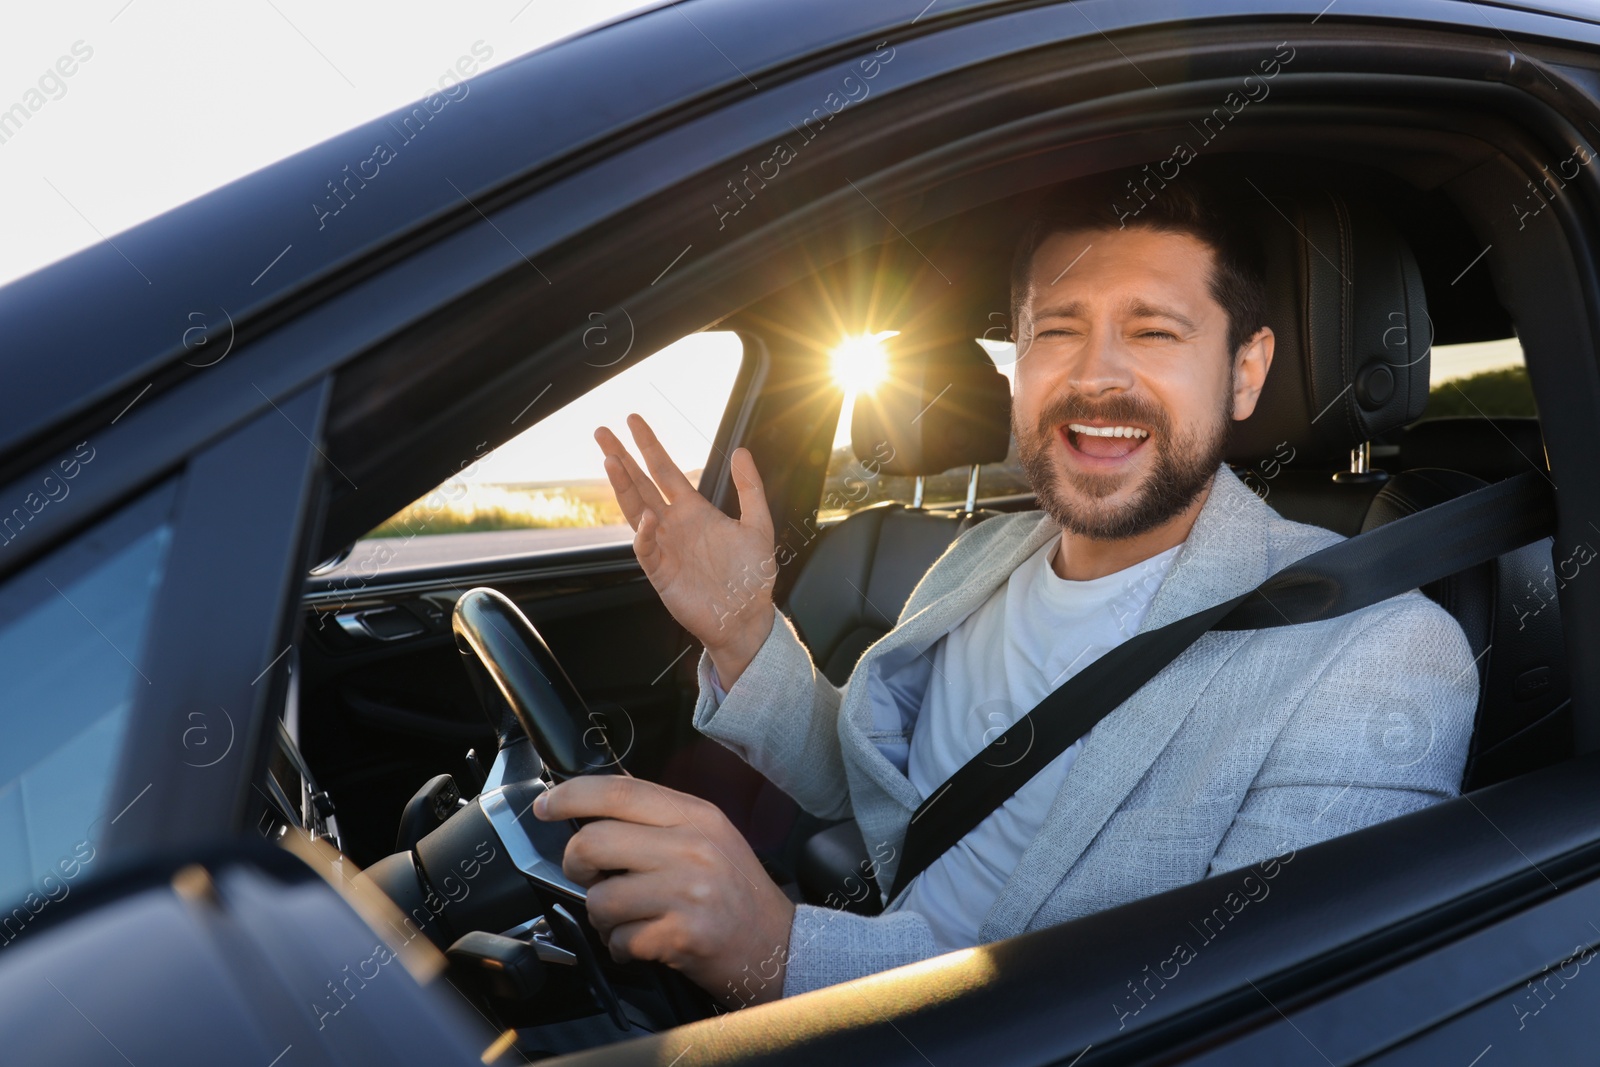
1355 573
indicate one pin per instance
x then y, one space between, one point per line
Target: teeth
1107 431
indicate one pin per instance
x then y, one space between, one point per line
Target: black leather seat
943 406
1344 296
1488 448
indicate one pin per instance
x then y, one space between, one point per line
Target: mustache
1120 408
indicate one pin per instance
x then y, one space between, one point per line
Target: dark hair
1184 205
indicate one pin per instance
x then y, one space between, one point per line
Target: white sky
182 96
1461 361
681 391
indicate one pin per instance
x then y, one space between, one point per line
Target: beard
1183 467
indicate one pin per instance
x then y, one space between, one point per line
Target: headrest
943 405
1345 301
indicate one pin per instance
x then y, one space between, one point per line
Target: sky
681 391
168 99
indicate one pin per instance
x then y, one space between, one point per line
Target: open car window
546 488
1481 379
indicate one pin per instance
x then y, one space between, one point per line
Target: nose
1102 364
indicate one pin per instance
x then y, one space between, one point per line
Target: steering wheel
486 885
530 699
514 671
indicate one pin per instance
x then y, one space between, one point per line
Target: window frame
241 528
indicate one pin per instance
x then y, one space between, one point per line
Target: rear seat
1343 376
1489 448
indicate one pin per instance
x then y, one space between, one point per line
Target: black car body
245 385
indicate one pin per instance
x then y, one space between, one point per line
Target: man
1140 340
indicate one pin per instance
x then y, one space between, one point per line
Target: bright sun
861 363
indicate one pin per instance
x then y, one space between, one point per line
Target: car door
140 646
1346 909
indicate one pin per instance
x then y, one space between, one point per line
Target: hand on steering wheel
667 876
670 879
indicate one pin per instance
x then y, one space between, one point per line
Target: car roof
168 297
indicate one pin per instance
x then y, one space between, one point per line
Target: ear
1022 334
1250 368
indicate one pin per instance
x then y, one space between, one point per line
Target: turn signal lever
513 670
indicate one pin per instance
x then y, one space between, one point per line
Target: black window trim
222 623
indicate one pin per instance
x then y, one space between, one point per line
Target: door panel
1521 986
234 954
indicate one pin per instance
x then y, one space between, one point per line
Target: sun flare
861 363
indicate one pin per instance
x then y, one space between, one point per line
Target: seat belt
1355 573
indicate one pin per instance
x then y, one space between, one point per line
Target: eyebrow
1136 308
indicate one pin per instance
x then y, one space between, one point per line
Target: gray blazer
1247 746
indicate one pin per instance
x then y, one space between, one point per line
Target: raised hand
713 573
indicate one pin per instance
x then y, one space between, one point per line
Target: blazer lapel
1224 555
916 635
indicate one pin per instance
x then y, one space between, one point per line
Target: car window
852 484
546 488
1482 378
73 630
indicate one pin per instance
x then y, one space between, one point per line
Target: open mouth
1104 443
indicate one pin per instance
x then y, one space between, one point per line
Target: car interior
1366 238
384 709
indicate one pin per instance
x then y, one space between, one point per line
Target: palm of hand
709 569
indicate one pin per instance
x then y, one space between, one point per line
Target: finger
645 547
668 476
649 495
622 487
624 899
614 796
608 845
753 509
641 940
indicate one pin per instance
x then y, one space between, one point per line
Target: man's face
1125 386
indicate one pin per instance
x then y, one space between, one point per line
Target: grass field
462 508
1491 392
